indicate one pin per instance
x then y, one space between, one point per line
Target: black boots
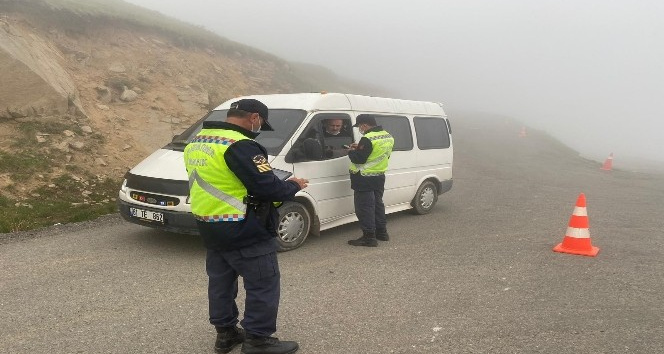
267 345
368 239
381 235
227 338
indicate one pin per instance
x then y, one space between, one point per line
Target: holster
262 209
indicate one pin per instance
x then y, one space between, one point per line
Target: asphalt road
477 275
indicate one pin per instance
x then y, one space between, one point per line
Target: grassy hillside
167 61
79 16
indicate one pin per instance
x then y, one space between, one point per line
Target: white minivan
155 192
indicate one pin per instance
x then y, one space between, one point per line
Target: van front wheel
294 225
425 198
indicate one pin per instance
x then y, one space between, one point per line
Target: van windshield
284 122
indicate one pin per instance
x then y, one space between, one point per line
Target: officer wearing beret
369 158
233 191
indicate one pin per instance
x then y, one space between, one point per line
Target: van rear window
432 133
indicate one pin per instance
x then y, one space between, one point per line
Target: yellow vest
215 192
381 143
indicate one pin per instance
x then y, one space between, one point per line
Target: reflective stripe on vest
215 192
382 143
194 177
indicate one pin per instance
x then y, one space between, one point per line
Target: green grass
62 204
29 158
5 202
20 164
30 129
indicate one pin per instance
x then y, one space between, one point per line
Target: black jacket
244 158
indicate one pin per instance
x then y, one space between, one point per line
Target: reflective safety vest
215 192
382 143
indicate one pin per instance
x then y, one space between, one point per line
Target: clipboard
282 174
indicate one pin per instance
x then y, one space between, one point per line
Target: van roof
343 102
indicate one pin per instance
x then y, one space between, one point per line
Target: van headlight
123 188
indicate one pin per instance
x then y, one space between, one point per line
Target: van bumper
178 222
445 186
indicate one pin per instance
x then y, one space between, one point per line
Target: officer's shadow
338 236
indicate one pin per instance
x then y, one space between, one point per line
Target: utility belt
260 208
367 174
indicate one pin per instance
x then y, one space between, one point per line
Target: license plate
146 215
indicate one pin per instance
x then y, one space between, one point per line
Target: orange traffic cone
577 237
522 133
608 163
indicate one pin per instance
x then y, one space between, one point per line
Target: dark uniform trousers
259 270
370 210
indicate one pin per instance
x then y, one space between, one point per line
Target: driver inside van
333 126
335 138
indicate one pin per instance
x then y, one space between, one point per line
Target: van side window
399 128
432 133
323 139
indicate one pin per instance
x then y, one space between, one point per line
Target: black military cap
253 106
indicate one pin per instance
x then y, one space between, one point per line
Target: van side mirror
313 150
305 150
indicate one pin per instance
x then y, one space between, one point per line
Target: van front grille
157 185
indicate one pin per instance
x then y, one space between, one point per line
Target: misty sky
591 72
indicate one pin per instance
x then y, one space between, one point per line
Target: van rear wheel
425 198
294 225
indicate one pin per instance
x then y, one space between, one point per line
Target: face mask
257 131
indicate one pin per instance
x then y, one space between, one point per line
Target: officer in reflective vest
232 189
369 158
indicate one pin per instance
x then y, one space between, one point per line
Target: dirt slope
88 92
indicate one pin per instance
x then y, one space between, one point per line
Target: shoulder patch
261 163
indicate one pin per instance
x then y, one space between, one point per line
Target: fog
590 72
